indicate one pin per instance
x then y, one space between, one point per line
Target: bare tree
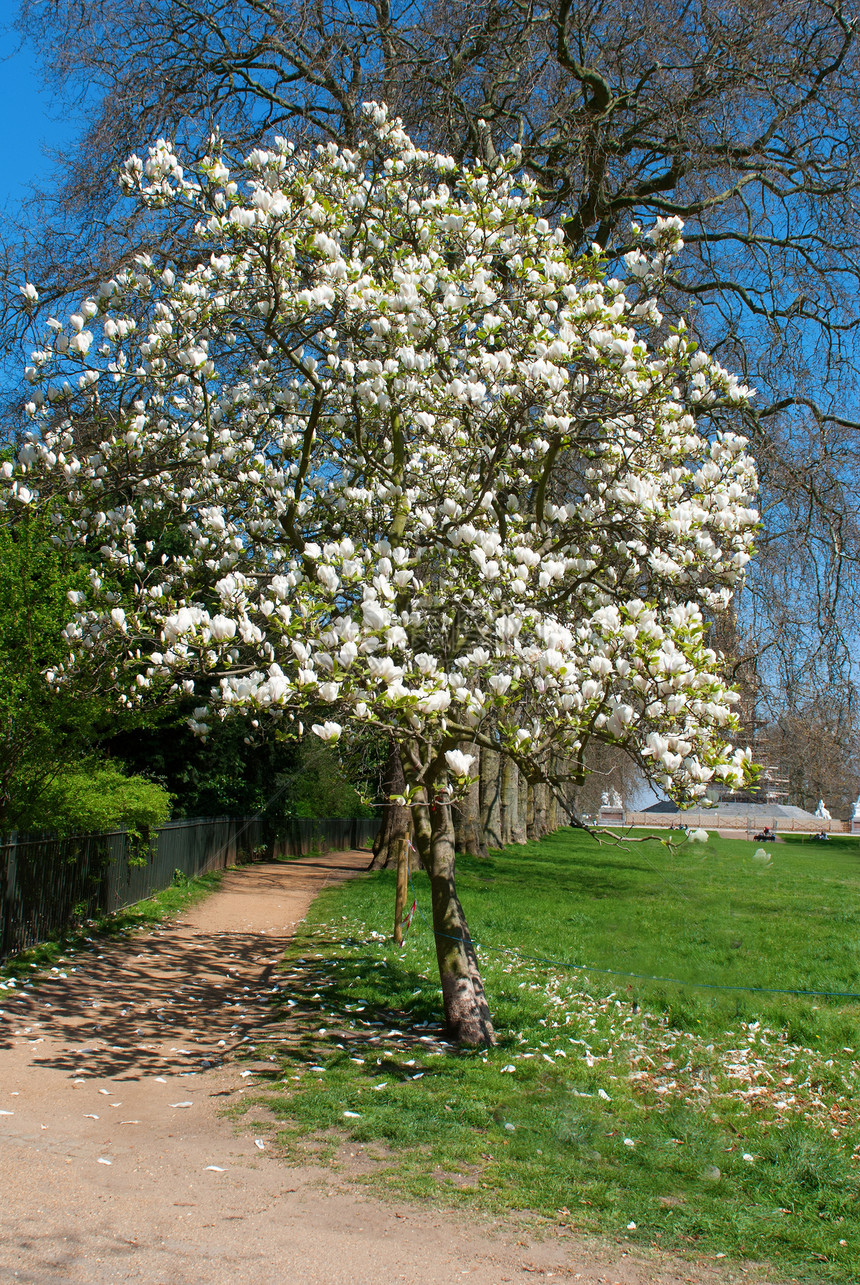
809 747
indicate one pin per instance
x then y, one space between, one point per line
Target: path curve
116 1163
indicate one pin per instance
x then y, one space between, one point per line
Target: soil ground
118 1164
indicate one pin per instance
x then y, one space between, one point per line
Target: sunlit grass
716 1121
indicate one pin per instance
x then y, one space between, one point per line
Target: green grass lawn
714 1121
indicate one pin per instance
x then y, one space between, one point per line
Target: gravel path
117 1164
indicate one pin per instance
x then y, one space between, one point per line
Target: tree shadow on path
179 998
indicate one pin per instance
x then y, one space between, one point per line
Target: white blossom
327 731
367 504
458 762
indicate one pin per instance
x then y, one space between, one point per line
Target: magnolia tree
383 446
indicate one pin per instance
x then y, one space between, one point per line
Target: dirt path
116 1163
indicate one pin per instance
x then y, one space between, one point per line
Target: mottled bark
510 800
552 822
540 795
491 798
552 808
468 831
401 890
521 835
396 821
467 1015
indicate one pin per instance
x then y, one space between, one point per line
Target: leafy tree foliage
94 798
232 773
40 730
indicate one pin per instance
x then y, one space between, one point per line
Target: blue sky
28 121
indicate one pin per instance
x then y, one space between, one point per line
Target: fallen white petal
355 1115
259 1144
182 1104
104 1161
215 1169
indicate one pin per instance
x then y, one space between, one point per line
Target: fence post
10 886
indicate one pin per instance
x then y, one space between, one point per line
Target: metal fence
297 836
48 884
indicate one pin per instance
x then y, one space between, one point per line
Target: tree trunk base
467 1016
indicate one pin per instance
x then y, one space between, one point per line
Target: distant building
733 814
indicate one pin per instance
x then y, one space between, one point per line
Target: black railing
48 884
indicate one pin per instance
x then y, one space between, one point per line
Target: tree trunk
467 1016
510 792
491 801
521 835
539 819
396 821
468 831
401 891
552 809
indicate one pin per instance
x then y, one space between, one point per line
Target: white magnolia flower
222 628
327 731
458 762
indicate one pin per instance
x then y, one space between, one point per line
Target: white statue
821 811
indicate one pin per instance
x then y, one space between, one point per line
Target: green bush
101 797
